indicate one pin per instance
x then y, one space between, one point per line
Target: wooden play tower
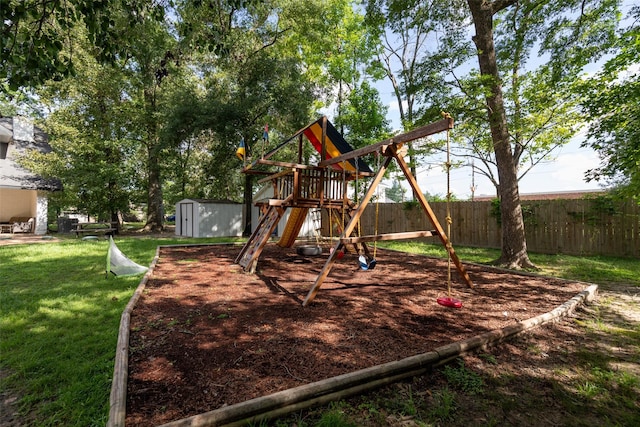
324 186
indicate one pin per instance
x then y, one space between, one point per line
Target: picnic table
95 228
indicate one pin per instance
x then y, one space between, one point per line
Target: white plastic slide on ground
119 264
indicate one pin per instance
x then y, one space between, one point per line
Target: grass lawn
59 318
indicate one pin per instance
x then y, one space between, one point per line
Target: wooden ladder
248 257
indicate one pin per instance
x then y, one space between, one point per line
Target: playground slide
292 229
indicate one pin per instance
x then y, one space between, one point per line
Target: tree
364 117
130 37
612 101
571 44
150 67
514 247
537 124
254 73
395 193
36 40
91 147
415 38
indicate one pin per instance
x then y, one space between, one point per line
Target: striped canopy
335 146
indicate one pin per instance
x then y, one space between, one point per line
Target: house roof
566 195
24 137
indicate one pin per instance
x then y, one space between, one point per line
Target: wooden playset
302 187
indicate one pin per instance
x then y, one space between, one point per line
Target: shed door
186 219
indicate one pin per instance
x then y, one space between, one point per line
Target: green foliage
463 379
92 152
440 197
444 405
363 117
537 125
37 37
612 102
335 417
601 208
396 192
528 212
410 205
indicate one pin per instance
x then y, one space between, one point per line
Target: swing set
302 187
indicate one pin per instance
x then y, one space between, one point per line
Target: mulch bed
205 334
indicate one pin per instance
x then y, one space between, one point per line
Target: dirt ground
205 334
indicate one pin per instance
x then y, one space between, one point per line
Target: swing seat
449 302
340 253
309 250
366 264
362 261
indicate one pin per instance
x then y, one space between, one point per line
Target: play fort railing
308 187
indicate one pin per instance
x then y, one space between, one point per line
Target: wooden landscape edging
357 382
118 396
324 391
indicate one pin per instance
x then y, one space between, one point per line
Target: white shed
208 218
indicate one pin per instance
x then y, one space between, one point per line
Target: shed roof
210 201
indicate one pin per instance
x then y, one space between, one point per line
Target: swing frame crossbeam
396 142
393 150
389 236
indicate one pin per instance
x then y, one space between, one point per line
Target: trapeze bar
389 236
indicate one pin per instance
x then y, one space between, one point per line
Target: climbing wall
248 257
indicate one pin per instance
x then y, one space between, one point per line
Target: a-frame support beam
392 152
434 220
348 229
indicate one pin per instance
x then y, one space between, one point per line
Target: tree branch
498 5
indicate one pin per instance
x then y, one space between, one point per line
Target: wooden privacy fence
575 227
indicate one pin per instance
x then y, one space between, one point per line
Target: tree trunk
154 188
154 185
248 204
514 245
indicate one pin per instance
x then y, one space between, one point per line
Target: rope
356 197
375 231
344 195
448 219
